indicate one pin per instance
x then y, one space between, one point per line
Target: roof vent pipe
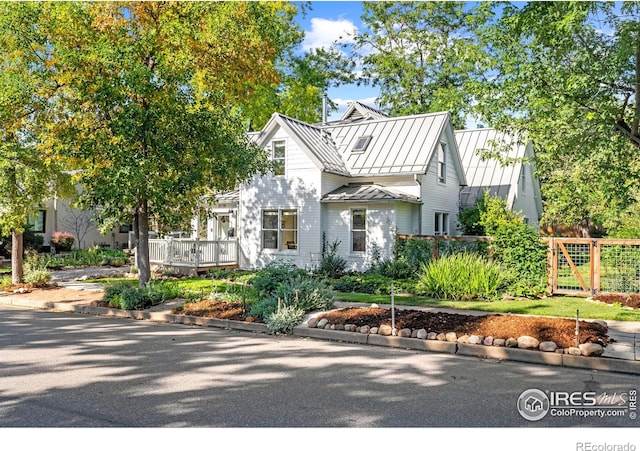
324 108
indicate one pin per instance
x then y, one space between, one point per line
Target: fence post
197 252
550 263
217 252
435 251
168 257
595 267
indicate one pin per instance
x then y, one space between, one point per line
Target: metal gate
592 266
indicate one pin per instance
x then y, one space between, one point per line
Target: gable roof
398 145
367 193
490 173
311 139
357 111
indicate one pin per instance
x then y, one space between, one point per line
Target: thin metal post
393 308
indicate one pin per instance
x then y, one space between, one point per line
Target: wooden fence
576 266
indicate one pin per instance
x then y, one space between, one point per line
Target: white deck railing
193 253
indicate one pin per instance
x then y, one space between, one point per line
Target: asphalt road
60 370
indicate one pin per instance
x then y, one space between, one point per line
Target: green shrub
398 268
306 293
5 283
414 251
267 280
62 241
39 278
363 283
331 265
263 308
125 296
285 319
463 277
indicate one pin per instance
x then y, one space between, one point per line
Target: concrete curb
415 344
478 351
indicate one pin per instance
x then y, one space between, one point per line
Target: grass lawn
563 306
5 269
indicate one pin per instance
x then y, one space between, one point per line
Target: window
38 221
361 144
441 223
358 230
278 157
442 163
280 229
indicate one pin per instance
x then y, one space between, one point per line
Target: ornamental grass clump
463 277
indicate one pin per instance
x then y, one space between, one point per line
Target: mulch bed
631 300
215 309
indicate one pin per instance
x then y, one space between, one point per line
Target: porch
194 254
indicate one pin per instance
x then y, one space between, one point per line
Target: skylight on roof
361 144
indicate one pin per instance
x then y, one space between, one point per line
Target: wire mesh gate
592 266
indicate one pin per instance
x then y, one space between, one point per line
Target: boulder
451 336
463 339
422 334
385 329
365 329
573 351
548 346
475 339
499 342
441 337
373 331
432 336
591 349
323 322
406 332
511 343
527 342
488 341
313 322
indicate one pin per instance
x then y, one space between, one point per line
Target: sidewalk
623 355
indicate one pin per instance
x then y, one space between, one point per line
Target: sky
324 23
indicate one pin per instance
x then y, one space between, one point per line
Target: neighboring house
358 181
57 215
512 177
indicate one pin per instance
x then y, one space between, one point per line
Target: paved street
71 370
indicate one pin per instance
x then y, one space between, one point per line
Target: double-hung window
38 221
442 163
280 229
441 226
278 154
358 230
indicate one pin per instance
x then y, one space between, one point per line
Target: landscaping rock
357 329
323 322
475 339
602 323
404 333
313 322
499 342
365 329
385 329
548 346
339 327
527 342
511 343
422 334
432 336
373 331
573 351
463 339
488 341
591 349
414 333
441 337
451 336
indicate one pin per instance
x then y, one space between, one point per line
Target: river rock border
523 342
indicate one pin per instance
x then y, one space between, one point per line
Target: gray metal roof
489 173
229 197
357 111
367 193
399 145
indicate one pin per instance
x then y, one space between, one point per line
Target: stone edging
447 347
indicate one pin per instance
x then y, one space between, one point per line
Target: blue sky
325 22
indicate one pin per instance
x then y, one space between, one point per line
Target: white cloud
325 32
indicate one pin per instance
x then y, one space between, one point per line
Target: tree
30 174
146 111
79 221
567 74
421 54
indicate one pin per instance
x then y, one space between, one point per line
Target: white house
358 181
505 166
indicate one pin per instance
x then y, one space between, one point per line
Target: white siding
381 229
524 201
299 189
438 197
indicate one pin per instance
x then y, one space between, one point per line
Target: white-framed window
358 230
442 163
280 229
441 223
278 155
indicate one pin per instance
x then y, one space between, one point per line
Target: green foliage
306 293
31 241
124 296
267 279
414 251
39 278
363 283
398 268
463 277
516 246
62 241
95 256
284 319
331 265
5 283
263 308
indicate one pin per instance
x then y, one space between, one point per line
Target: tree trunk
17 246
142 251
